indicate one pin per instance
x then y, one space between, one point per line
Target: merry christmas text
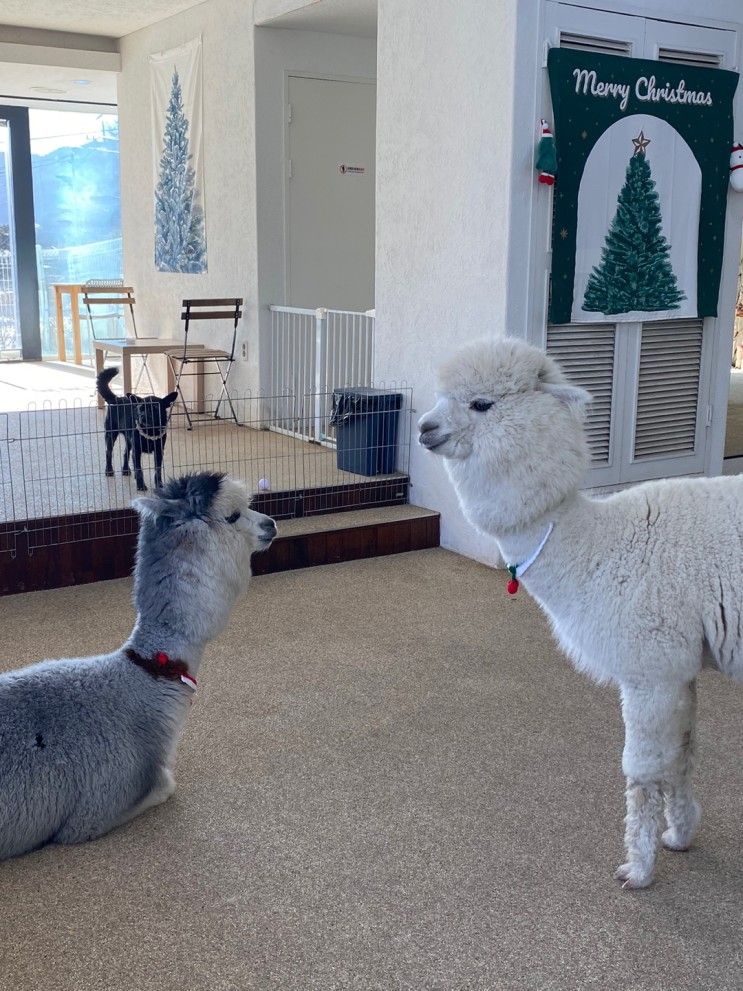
646 90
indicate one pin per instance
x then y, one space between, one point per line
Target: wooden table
75 290
126 347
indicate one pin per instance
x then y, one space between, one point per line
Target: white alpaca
643 587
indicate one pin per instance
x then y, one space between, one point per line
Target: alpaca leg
161 792
641 834
88 825
656 719
682 811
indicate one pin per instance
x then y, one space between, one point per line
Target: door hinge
709 416
289 169
289 113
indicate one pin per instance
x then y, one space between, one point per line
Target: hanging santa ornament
546 159
736 167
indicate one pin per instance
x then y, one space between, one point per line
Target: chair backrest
100 296
212 309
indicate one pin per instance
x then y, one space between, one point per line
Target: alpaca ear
169 399
201 490
181 499
163 512
147 506
571 395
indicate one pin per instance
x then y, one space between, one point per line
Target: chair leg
177 388
225 394
144 370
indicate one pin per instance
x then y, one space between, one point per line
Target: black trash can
366 430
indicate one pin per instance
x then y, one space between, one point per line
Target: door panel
594 30
588 357
668 388
330 203
685 44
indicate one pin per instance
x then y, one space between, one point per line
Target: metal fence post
321 334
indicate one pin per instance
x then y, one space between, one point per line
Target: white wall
277 52
226 28
444 135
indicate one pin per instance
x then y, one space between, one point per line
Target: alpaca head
196 537
510 428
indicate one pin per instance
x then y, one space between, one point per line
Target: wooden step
93 547
349 536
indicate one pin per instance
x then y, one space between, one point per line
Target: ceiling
110 18
31 82
356 17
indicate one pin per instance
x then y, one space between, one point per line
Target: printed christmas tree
635 270
180 242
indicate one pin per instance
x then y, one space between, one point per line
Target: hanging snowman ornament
546 157
736 167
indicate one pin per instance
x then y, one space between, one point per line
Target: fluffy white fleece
643 588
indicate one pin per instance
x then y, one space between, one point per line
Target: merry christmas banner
180 232
643 154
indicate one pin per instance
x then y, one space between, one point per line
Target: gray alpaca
88 743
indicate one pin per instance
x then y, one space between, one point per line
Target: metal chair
222 361
101 295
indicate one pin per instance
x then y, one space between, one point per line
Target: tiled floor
52 448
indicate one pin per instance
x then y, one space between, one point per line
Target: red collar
161 666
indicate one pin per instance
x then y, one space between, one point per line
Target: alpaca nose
431 435
425 425
269 529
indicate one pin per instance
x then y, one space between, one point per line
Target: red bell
513 586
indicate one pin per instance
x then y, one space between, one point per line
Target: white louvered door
588 356
651 381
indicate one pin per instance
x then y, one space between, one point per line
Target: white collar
517 570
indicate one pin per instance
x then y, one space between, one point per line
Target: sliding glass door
60 220
20 335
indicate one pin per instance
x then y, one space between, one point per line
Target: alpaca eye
481 405
233 517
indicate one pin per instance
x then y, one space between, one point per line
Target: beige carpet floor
390 780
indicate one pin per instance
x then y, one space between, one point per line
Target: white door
330 193
651 381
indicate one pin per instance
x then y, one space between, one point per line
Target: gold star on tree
640 143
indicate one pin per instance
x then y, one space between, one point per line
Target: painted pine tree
180 241
635 271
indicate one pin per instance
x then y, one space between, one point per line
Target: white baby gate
312 353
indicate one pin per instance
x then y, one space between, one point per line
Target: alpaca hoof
142 488
125 471
674 840
109 472
633 875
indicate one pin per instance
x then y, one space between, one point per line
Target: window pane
75 162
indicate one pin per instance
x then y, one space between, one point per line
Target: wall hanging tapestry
643 159
180 232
